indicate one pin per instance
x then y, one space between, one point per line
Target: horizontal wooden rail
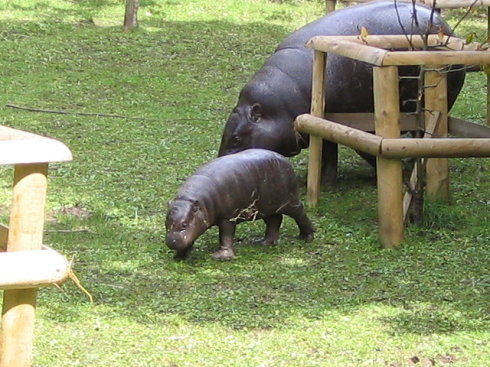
372 50
393 148
335 132
30 269
435 148
326 43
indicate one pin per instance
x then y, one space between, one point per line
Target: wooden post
25 233
437 175
330 5
316 143
389 171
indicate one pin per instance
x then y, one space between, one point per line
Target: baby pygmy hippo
252 184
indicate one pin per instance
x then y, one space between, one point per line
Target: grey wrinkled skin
281 89
252 184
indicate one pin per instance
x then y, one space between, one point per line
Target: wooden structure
440 4
25 264
386 144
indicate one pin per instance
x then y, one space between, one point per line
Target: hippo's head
266 109
185 223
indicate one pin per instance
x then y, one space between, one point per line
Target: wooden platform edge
32 269
20 147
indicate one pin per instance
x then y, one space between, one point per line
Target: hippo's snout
172 243
175 241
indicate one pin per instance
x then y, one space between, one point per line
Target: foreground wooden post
316 143
389 171
25 233
437 169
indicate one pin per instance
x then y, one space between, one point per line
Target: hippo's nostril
171 242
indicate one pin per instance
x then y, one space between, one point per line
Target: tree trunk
131 15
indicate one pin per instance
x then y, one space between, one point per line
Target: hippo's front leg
226 237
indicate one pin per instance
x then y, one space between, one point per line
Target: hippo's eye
184 225
256 113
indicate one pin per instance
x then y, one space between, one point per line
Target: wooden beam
335 132
434 58
435 148
348 48
31 269
386 42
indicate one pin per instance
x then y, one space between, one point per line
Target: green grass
339 301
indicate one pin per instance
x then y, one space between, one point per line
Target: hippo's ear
256 112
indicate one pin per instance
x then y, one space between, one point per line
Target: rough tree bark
131 15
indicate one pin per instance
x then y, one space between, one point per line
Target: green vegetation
339 301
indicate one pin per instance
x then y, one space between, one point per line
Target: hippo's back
378 17
253 177
251 169
349 86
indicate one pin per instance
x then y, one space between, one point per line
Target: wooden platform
20 276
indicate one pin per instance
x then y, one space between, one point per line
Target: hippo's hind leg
306 228
226 237
272 225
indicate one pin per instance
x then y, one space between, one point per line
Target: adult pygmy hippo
281 89
253 184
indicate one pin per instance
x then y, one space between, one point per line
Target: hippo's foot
224 253
266 242
307 236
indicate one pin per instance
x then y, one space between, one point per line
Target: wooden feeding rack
440 4
386 144
25 264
